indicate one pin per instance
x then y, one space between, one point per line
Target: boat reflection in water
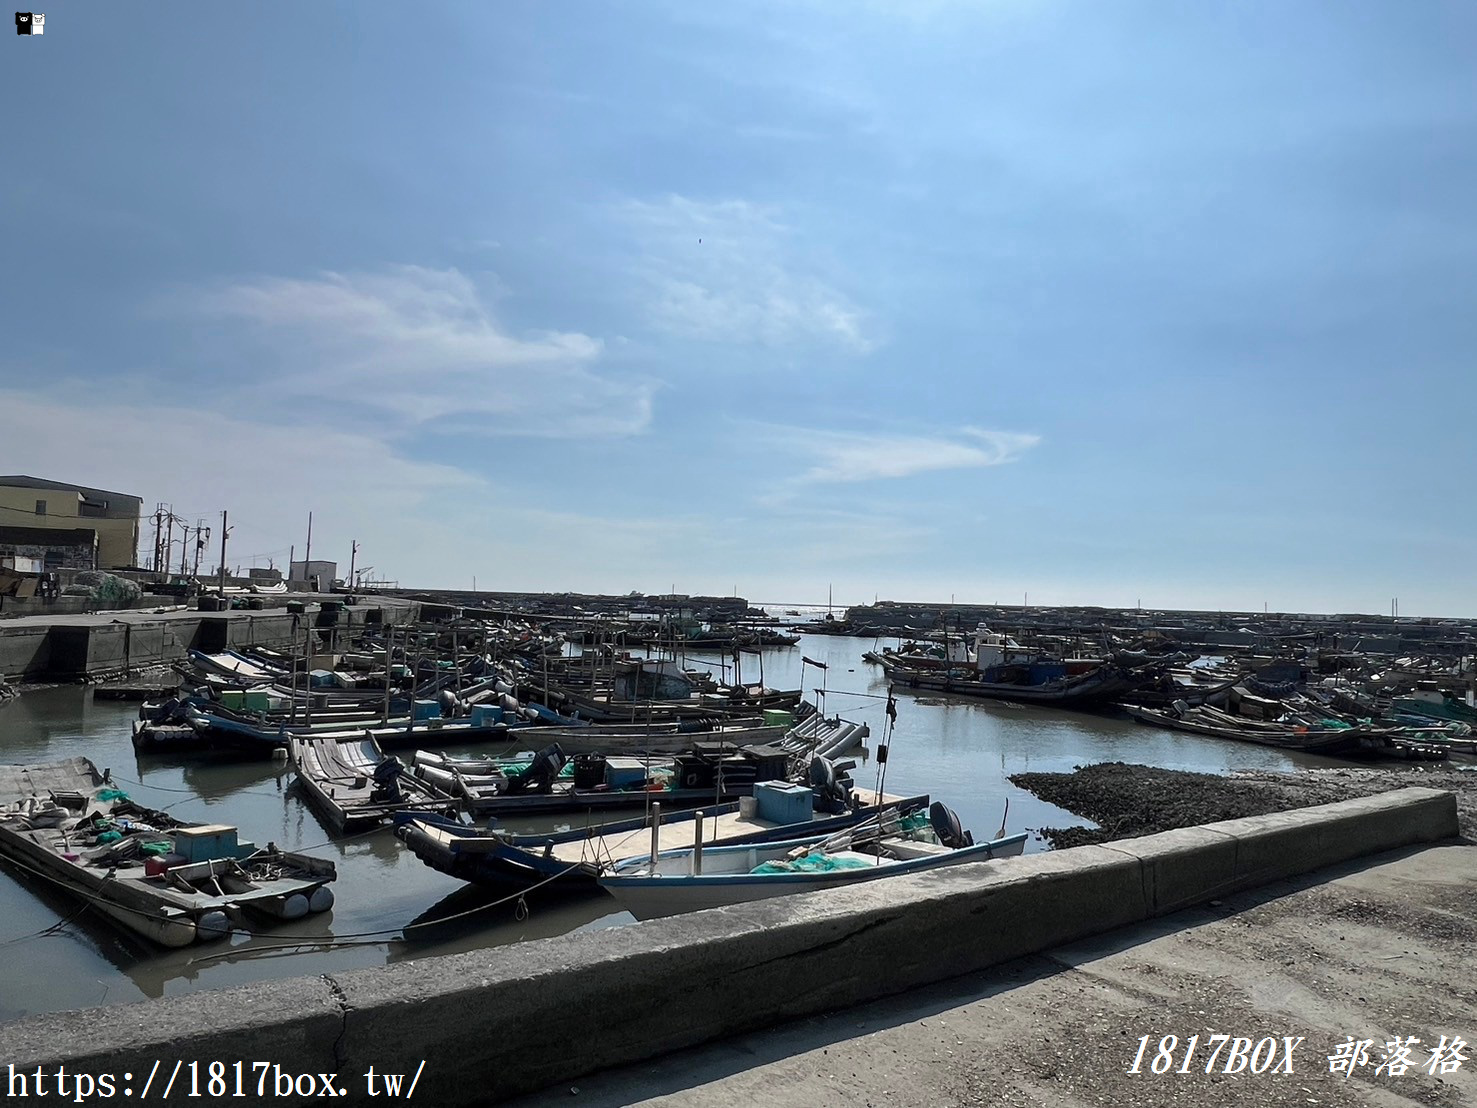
473 918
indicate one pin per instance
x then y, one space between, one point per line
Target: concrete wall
25 651
63 650
82 650
492 1023
67 552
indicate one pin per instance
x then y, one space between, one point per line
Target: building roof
48 536
21 481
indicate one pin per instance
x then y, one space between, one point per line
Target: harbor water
390 906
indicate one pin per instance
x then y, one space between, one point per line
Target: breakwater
485 1025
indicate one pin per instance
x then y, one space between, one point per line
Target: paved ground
1378 949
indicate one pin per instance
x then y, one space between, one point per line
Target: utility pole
353 557
308 553
169 540
202 536
224 532
158 526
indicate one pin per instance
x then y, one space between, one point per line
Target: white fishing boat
172 882
688 880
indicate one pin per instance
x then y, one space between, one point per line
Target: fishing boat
570 861
1434 705
353 785
549 781
703 876
1222 725
1002 669
172 882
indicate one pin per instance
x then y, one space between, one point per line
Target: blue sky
1099 302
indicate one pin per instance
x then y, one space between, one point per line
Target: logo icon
30 23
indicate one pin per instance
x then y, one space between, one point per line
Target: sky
1075 303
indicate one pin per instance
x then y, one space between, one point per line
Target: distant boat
1221 725
689 880
1002 669
172 882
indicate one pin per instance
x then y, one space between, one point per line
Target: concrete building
37 549
317 575
35 503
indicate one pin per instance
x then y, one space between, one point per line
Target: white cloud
729 271
419 344
853 456
267 476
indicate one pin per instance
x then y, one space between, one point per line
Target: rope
53 929
192 794
296 944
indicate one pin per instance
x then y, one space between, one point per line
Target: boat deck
681 833
338 775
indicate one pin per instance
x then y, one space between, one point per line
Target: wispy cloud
730 271
837 457
420 344
853 456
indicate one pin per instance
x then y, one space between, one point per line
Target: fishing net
512 769
111 794
107 587
813 863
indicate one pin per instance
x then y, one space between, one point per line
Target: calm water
958 751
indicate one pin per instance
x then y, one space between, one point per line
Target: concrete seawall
65 648
492 1023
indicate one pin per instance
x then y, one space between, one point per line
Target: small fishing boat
548 781
887 845
172 882
570 861
353 785
1221 725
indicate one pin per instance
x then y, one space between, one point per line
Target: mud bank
1127 801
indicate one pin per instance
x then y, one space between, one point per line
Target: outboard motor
541 772
387 782
831 785
947 827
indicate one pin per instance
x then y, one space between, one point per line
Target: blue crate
783 803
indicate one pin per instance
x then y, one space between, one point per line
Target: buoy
321 900
212 926
295 906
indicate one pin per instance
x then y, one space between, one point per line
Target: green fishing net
813 863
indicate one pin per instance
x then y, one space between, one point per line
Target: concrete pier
493 1023
79 647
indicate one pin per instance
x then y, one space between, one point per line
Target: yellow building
34 502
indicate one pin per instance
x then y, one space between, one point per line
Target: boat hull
648 897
